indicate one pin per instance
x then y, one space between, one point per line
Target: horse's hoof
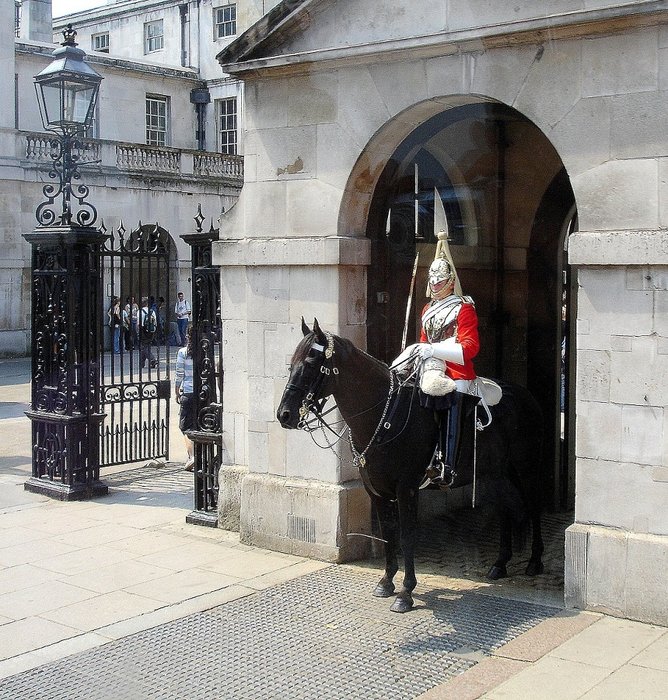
497 572
534 568
383 591
402 605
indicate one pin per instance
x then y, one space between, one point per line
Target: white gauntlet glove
449 350
402 359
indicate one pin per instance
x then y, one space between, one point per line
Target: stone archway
506 195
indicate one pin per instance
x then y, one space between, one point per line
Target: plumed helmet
440 271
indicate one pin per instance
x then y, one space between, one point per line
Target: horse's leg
535 565
387 517
498 569
408 516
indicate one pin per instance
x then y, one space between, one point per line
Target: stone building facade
542 128
133 177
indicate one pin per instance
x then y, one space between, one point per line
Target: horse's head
311 370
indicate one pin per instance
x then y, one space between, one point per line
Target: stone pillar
617 549
207 436
37 21
286 492
65 362
7 76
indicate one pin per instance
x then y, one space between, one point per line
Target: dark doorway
508 203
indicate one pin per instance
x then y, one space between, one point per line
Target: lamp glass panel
52 105
76 102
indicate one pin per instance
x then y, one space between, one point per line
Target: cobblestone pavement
320 636
464 543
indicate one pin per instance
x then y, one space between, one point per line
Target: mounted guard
443 361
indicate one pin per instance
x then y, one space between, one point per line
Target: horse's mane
346 345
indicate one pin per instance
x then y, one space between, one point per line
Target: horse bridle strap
359 458
310 402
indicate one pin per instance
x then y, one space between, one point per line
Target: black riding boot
454 426
443 469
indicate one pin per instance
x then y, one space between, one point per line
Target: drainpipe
200 97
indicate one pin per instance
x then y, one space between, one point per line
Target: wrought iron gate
207 436
135 363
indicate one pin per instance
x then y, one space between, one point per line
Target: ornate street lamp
66 293
67 91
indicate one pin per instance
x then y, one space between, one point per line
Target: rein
312 404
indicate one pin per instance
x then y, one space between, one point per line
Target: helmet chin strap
446 291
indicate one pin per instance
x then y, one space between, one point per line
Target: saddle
488 390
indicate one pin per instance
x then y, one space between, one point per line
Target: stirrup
438 474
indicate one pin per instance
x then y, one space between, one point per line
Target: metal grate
301 528
321 636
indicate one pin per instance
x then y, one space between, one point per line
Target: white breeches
466 386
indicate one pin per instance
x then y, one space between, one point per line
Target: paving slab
610 643
631 682
655 655
548 679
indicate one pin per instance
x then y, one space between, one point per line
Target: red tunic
466 334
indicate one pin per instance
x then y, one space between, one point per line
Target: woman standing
115 323
183 389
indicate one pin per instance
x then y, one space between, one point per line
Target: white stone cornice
105 13
618 248
253 252
115 62
566 25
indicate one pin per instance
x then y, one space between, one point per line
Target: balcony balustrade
133 158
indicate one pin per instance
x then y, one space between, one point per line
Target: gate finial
199 218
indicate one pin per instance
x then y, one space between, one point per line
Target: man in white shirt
182 311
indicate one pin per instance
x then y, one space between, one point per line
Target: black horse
392 462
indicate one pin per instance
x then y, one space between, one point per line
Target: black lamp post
66 294
67 91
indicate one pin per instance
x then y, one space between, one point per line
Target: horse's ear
318 331
305 329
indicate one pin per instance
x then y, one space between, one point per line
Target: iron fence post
65 362
207 437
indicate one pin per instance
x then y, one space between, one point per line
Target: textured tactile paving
321 636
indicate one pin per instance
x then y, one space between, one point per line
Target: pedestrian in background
148 324
182 311
133 310
162 336
127 327
115 323
183 390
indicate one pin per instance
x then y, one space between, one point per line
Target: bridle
312 401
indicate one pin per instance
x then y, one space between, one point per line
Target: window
153 36
18 5
157 115
226 21
227 125
93 131
100 42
